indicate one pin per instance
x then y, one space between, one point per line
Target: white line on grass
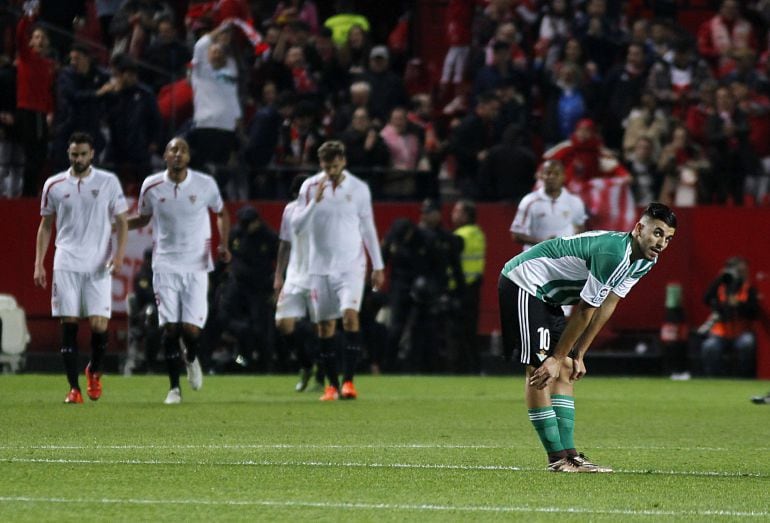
387 506
300 446
434 466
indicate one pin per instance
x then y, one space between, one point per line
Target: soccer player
335 210
84 200
591 271
550 211
293 291
178 201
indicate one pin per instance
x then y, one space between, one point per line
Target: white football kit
294 299
341 232
181 233
544 217
84 209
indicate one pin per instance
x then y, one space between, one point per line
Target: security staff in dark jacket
246 299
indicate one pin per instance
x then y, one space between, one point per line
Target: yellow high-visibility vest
474 251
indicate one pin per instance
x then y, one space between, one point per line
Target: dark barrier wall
706 237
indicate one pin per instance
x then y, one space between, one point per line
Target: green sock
544 421
564 407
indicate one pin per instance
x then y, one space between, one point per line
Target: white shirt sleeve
305 205
118 203
47 204
145 201
522 222
368 229
285 231
200 52
214 201
579 215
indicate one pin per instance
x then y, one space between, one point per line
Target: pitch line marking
428 466
386 506
300 446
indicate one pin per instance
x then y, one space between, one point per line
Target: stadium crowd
636 107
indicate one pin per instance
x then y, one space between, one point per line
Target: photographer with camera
734 305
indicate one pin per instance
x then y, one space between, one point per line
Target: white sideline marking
345 447
433 466
386 506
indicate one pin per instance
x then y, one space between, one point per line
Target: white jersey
84 209
297 269
544 217
339 227
215 91
181 228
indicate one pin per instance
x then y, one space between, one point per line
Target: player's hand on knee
578 369
548 372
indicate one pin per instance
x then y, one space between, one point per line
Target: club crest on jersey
162 200
193 198
95 192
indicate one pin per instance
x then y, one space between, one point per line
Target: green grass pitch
248 448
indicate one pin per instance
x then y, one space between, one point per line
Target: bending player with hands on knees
591 271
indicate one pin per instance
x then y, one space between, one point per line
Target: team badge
193 198
95 192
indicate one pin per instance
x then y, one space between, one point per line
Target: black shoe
761 400
304 379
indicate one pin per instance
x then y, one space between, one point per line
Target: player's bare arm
137 222
223 225
41 248
600 317
281 262
121 228
576 327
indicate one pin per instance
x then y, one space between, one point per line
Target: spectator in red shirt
724 35
34 98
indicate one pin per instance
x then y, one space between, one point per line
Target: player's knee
350 320
190 332
98 323
285 326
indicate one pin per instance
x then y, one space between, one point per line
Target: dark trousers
33 135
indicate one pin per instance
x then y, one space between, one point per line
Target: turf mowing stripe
386 506
436 466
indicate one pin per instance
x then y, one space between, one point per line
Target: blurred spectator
683 166
599 34
298 141
304 81
459 19
11 151
555 29
648 120
360 98
105 11
354 54
262 140
745 70
333 78
471 140
344 21
364 148
646 180
571 52
566 103
595 174
727 132
500 72
79 104
697 115
757 109
405 153
387 87
167 56
658 46
622 90
61 20
294 10
217 109
507 33
723 36
676 84
423 122
507 173
133 121
35 70
734 304
133 23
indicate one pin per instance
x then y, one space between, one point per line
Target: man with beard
84 201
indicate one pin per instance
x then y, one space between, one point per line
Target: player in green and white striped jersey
592 271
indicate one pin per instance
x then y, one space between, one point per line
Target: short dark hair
80 137
658 211
122 63
331 150
81 48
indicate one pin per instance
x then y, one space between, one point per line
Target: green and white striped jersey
561 271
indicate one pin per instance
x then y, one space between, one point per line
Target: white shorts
79 294
332 294
181 297
293 302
